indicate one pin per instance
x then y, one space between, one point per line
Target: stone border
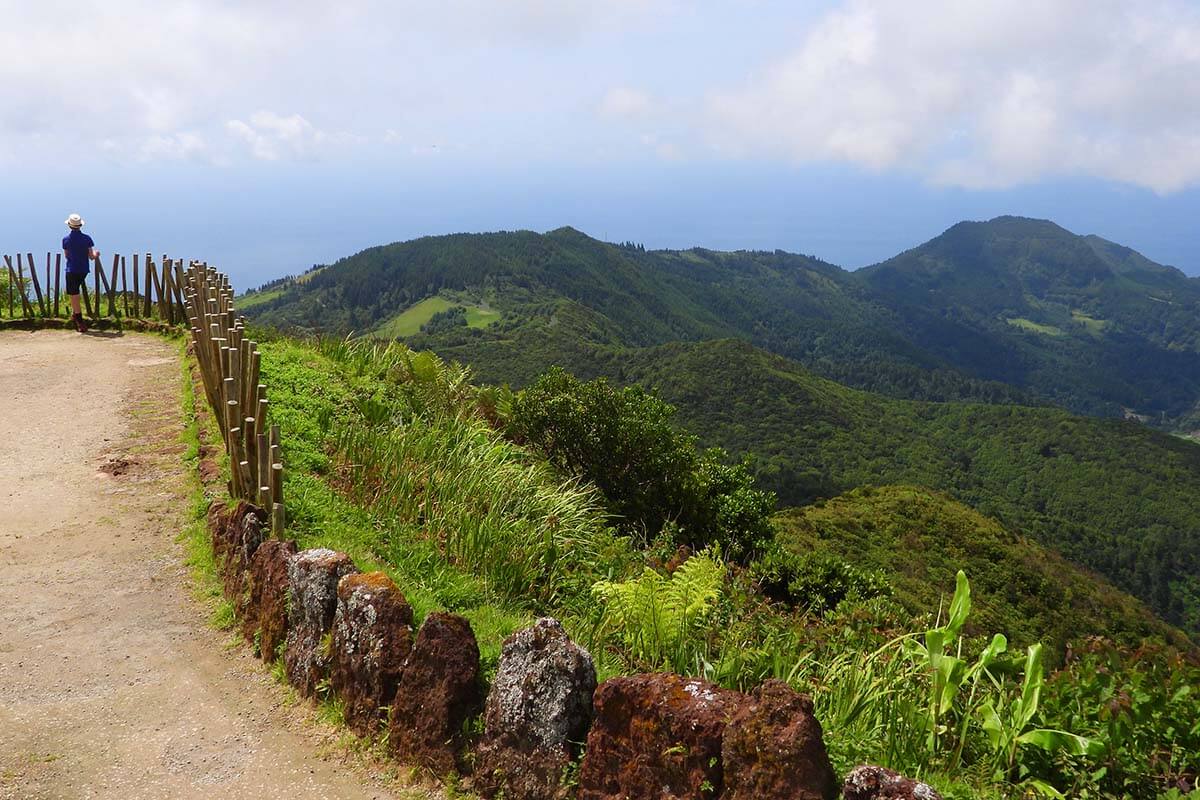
647 736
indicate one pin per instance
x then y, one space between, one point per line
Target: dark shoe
80 324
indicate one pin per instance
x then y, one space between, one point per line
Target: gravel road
111 683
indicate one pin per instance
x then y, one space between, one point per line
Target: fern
656 616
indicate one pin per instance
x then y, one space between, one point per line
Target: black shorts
74 281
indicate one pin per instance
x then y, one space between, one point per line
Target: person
80 250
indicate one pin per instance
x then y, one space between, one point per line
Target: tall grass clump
490 509
416 442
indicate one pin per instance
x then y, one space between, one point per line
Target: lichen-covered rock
538 713
372 636
772 749
266 611
313 577
877 783
225 526
439 691
245 530
656 737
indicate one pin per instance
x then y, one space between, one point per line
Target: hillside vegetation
1114 496
400 460
918 539
918 414
1001 311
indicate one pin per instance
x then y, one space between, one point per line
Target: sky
265 137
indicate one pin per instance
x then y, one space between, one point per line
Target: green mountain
996 317
1011 310
1082 321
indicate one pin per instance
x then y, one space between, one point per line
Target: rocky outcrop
372 637
439 691
266 612
877 783
773 749
313 577
245 530
538 712
656 737
225 525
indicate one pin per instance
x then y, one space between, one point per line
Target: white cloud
983 94
271 136
623 102
138 79
182 146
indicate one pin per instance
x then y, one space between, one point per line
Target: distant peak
1010 222
566 231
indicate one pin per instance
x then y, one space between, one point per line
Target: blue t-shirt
78 244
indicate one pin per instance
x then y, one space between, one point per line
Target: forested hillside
917 539
1111 495
1011 310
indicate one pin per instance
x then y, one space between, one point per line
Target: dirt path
111 684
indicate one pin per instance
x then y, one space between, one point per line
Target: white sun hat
75 221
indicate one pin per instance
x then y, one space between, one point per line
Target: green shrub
1142 706
444 321
817 582
623 441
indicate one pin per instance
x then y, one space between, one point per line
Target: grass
379 468
252 299
1092 325
409 321
1035 327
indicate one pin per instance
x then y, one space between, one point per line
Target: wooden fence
201 299
229 365
155 291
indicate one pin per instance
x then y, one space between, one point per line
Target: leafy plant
655 616
1140 707
1009 724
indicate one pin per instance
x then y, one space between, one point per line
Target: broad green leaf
1053 741
1031 691
992 725
935 645
1043 789
950 674
960 606
997 646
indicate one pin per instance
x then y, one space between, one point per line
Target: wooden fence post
11 286
96 290
37 285
112 286
149 286
19 278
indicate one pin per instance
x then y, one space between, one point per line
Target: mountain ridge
1011 305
